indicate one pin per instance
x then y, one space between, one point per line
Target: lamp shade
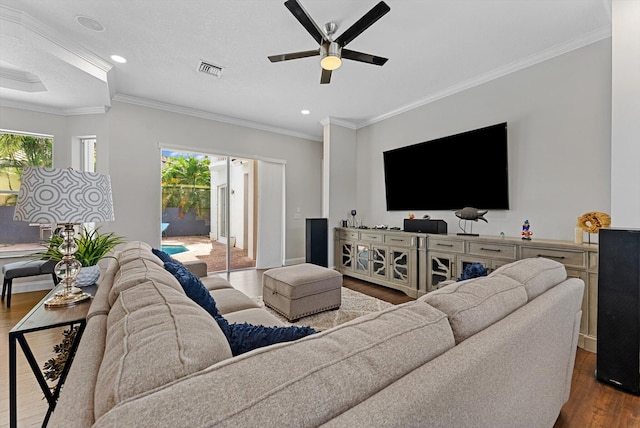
49 195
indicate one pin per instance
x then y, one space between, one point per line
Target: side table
42 318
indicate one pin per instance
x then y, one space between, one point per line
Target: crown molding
31 107
210 116
86 110
579 42
53 110
20 81
340 122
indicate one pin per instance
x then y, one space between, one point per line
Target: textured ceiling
49 62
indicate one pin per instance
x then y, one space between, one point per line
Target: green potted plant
92 247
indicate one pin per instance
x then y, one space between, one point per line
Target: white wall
559 132
135 134
625 137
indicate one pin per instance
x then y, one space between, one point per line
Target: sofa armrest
197 267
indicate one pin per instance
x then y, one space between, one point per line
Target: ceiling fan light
331 56
330 62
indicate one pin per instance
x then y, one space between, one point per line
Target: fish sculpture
468 213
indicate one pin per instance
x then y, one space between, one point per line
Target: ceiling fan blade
294 55
363 57
377 12
303 17
325 77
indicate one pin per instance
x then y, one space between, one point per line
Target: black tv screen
469 169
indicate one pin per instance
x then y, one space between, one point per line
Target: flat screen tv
469 169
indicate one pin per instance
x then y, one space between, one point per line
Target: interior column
339 194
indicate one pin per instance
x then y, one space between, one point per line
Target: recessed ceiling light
118 58
89 23
305 111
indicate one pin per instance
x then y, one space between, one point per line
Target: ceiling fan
331 50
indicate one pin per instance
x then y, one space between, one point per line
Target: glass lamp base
65 298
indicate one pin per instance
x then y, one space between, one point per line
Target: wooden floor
591 404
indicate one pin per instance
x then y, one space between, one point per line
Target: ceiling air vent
208 68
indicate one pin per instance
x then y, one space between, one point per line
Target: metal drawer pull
397 240
550 257
496 250
444 245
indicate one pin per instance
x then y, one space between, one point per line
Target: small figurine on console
526 233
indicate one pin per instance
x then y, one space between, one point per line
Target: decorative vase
88 276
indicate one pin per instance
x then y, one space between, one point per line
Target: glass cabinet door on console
346 255
400 266
362 259
379 262
441 267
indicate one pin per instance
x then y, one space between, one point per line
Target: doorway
228 233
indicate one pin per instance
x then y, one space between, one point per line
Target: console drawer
566 257
403 241
372 236
348 234
445 245
502 251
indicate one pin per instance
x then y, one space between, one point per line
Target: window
88 153
18 150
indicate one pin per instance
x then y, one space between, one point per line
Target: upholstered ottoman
300 290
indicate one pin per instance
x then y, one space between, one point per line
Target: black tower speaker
618 349
317 241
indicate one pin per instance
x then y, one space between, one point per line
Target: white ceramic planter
88 276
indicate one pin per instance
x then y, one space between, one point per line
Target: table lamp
64 197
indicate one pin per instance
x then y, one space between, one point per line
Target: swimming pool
174 249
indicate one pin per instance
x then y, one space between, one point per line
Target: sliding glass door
244 215
232 213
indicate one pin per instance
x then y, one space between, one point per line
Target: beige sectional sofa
494 351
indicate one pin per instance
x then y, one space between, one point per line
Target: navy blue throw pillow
164 256
246 337
473 270
193 287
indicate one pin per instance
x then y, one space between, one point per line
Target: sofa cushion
215 282
537 274
253 316
135 250
231 300
139 271
100 303
475 304
155 334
